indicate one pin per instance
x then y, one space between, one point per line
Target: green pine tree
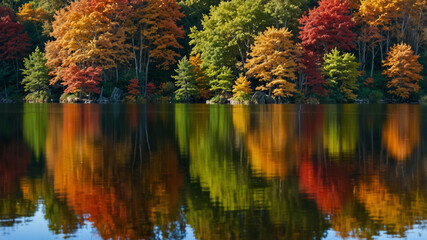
341 72
36 78
222 83
185 81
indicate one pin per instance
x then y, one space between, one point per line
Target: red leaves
150 88
328 26
81 80
133 87
323 29
13 43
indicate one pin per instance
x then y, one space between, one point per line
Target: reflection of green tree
341 129
225 201
283 214
35 127
211 162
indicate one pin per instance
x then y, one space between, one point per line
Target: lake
213 171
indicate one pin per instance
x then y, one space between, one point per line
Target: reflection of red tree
14 160
328 184
312 117
132 115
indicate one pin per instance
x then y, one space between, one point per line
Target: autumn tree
132 90
324 28
185 81
154 34
202 80
14 42
36 80
398 19
222 83
275 60
403 71
341 71
34 19
82 81
242 88
28 13
89 33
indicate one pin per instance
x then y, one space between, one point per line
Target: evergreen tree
223 82
341 71
185 81
36 78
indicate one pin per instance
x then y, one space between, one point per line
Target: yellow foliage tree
242 88
202 81
275 59
28 13
403 71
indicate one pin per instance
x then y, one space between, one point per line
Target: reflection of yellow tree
341 129
397 212
401 131
241 118
272 143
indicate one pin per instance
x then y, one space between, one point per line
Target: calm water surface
213 172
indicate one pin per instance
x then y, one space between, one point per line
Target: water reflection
228 172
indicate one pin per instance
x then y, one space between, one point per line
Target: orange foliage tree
154 33
275 60
403 71
89 33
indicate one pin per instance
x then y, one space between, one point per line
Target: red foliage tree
83 80
150 88
324 28
133 90
14 42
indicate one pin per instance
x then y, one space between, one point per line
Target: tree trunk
135 58
373 59
146 75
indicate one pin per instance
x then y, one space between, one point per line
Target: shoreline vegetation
213 51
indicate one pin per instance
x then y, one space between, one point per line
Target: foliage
403 71
275 60
83 81
222 83
28 13
324 28
242 88
132 90
228 31
13 41
185 81
202 80
36 80
341 71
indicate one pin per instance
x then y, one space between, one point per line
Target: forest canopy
272 51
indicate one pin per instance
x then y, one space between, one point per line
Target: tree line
240 51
